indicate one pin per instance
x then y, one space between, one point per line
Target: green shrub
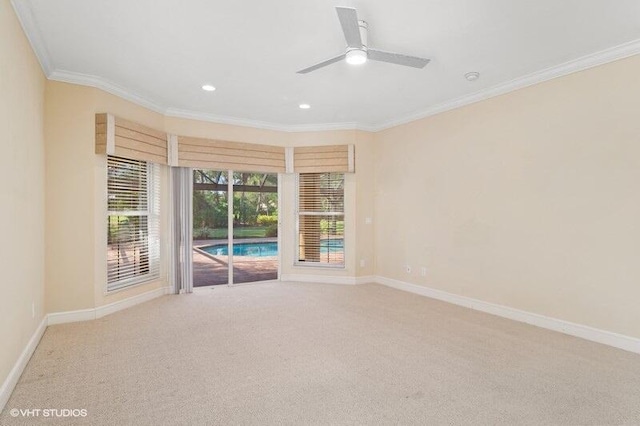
264 219
271 231
202 233
332 227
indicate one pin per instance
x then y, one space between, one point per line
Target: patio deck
213 270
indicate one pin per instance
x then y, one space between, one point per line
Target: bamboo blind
320 159
123 138
126 139
223 155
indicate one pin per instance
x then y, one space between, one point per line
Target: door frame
230 216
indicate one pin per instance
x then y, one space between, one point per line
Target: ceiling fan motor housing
358 55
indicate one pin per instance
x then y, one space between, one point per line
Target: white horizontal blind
133 242
320 219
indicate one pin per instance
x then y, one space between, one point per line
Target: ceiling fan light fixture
356 57
358 51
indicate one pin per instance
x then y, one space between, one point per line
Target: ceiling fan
355 32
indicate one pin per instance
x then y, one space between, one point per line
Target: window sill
133 282
318 265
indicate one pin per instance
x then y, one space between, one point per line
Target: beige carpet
321 354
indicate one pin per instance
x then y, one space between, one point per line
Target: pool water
331 246
266 249
244 249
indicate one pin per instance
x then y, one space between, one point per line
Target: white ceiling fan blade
349 20
322 64
397 58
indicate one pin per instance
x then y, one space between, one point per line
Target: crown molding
25 16
244 122
585 62
107 86
114 89
28 23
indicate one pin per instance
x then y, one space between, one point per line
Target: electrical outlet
407 268
423 271
362 263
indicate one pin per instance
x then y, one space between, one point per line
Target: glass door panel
210 228
255 227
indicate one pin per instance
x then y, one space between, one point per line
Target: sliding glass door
210 228
255 227
241 205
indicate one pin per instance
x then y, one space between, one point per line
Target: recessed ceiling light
472 76
304 106
208 88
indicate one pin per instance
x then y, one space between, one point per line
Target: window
133 243
320 219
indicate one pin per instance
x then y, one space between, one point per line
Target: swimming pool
265 249
244 249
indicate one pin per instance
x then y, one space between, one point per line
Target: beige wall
76 193
22 191
528 200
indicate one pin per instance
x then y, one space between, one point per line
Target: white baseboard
101 311
15 373
620 341
71 316
65 317
367 279
327 279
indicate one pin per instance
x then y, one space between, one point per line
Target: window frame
152 213
343 213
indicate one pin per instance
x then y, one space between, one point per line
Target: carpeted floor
282 353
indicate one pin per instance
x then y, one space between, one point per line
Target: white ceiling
160 53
